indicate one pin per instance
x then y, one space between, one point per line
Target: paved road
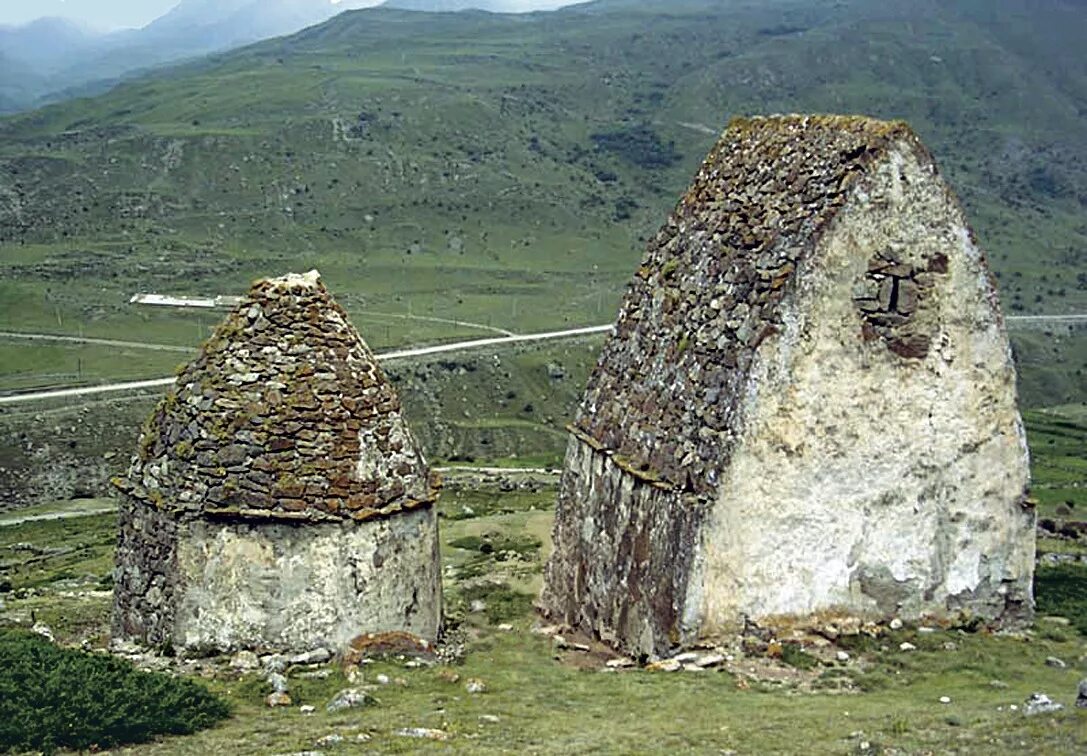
498 340
57 516
457 346
398 355
103 342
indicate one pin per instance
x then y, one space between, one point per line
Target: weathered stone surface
808 405
277 497
284 404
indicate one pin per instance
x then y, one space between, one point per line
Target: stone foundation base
212 586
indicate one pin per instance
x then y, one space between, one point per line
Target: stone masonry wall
285 414
625 548
146 576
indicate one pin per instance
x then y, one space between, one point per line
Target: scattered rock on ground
307 709
907 647
896 624
278 682
350 698
620 663
273 662
316 656
44 631
423 732
710 660
475 685
244 661
1081 694
278 699
1040 703
1053 661
664 665
843 656
445 674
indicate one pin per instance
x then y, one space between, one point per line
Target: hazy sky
118 14
102 14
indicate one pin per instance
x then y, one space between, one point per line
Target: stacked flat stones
284 415
664 393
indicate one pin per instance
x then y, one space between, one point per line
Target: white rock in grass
1040 703
350 698
426 733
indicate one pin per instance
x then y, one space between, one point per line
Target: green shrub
1062 590
795 656
52 697
640 145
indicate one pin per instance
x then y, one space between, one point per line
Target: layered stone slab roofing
278 459
808 375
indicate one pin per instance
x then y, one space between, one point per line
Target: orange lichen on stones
283 400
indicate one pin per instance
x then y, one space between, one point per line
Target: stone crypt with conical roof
808 406
277 498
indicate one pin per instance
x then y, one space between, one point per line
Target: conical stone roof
284 415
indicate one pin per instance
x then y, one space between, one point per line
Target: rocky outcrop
277 497
810 371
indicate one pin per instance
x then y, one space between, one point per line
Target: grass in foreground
53 697
538 701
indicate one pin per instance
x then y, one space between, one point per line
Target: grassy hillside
504 171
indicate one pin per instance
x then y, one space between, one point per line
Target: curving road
457 346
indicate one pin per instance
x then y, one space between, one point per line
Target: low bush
639 145
52 697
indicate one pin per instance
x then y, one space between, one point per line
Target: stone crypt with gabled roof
808 406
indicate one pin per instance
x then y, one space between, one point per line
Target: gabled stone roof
284 415
664 394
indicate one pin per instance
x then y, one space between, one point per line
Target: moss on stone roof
664 394
284 415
